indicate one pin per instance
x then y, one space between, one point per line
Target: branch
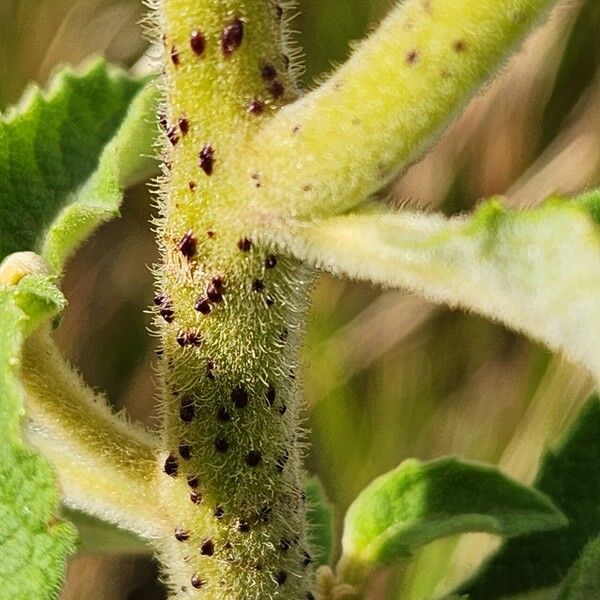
105 465
339 144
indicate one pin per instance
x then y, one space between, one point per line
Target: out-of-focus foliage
386 376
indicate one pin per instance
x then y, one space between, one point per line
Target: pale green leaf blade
320 514
50 145
34 544
418 503
535 271
570 476
583 581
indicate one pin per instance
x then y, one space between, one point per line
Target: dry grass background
386 375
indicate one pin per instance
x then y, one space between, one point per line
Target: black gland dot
202 305
282 409
271 261
245 244
189 339
184 125
270 300
187 409
197 42
256 107
214 291
310 596
206 159
221 445
174 56
276 88
459 46
243 526
207 548
181 535
196 497
281 577
171 465
219 512
411 57
192 481
253 458
185 451
271 395
284 544
268 72
188 244
223 415
192 185
196 582
264 513
258 285
232 36
306 559
239 396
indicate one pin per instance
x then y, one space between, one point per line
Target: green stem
229 314
104 464
342 142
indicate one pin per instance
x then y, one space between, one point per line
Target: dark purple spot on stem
174 56
253 458
187 410
223 415
243 526
207 548
171 465
271 395
219 512
282 409
196 582
207 159
189 339
459 46
181 535
192 481
203 305
198 42
239 396
258 285
411 57
184 125
268 72
276 88
188 244
232 36
256 107
245 244
271 261
195 497
281 577
185 451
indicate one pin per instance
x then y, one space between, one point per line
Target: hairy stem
104 464
229 314
342 142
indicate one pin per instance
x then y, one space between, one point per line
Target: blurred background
386 376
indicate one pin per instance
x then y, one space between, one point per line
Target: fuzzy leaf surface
65 156
418 503
535 271
34 544
570 476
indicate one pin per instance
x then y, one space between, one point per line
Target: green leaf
56 151
34 544
570 476
535 271
418 503
320 514
583 581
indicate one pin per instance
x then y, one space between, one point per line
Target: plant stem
229 315
104 464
